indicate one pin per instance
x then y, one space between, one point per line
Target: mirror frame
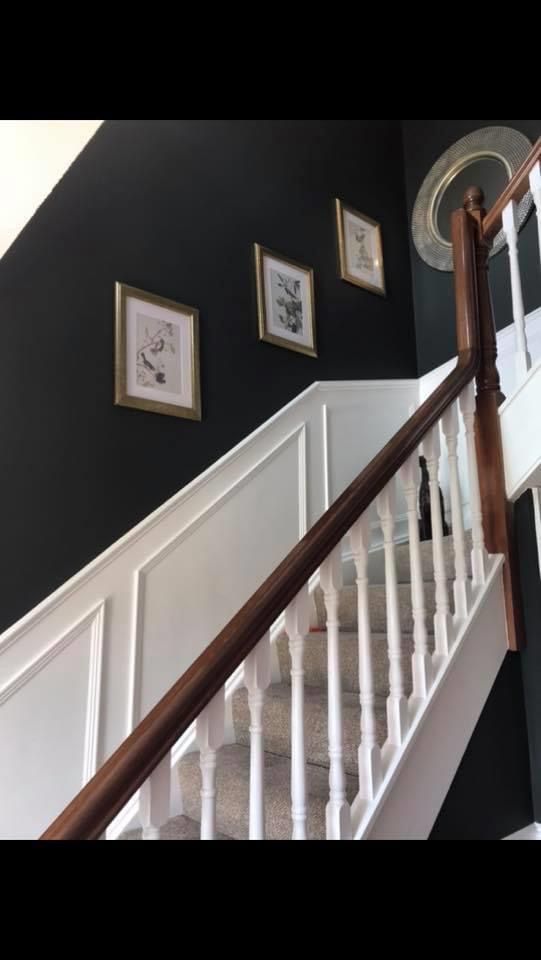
504 144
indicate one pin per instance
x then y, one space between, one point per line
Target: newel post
497 511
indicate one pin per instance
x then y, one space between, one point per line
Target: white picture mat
272 264
135 306
351 224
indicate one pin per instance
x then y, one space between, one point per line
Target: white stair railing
373 761
479 555
338 814
443 625
257 678
297 627
369 759
210 737
155 800
421 659
461 587
523 360
397 704
510 226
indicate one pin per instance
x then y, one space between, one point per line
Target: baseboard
532 832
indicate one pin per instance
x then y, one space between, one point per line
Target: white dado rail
79 671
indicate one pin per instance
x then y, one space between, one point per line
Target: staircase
418 648
233 768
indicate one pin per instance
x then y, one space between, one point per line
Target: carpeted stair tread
315 661
233 786
402 559
277 723
233 764
178 828
347 610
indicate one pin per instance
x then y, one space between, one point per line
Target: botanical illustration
287 303
158 354
361 257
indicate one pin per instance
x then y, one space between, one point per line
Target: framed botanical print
156 354
360 251
285 301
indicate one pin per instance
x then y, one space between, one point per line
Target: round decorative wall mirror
487 158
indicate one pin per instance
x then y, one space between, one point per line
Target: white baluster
397 705
462 585
523 360
257 677
155 800
370 771
443 625
210 737
421 659
479 555
535 187
297 627
338 814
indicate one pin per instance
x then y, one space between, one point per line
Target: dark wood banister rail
120 777
516 189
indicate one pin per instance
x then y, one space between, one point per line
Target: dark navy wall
491 794
531 658
174 207
424 142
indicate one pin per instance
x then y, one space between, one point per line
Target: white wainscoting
84 666
506 367
506 358
521 435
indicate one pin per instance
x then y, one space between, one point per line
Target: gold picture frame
285 302
156 354
360 249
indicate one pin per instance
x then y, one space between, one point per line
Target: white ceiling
34 155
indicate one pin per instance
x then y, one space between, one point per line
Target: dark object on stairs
425 523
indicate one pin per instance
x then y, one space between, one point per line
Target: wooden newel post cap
473 199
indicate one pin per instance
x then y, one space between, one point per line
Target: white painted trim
92 729
521 485
112 553
93 621
326 464
343 386
127 819
116 579
533 832
506 351
521 435
54 649
298 434
520 389
365 815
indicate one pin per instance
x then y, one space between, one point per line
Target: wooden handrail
515 190
119 778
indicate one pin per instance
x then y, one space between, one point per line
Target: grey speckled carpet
233 771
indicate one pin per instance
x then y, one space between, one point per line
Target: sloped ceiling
34 155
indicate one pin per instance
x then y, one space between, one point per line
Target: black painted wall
173 207
490 797
491 794
531 657
424 142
